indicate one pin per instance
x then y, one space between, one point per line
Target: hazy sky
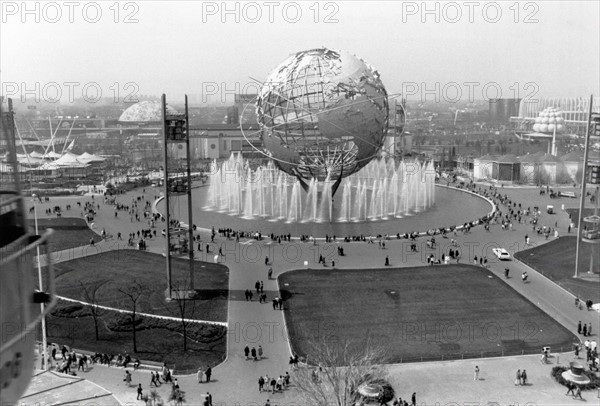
544 49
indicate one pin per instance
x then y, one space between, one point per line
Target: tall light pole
39 266
583 184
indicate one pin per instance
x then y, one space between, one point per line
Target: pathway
253 324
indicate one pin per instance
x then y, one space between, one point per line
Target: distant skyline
199 49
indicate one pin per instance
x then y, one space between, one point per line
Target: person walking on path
589 329
518 379
270 273
571 387
260 352
253 353
476 377
127 378
578 393
199 375
208 373
139 392
261 383
579 327
246 351
413 399
209 398
524 377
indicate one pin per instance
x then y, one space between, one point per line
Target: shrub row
67 309
204 333
121 322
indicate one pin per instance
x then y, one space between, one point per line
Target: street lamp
39 266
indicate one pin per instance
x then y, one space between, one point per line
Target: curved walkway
253 324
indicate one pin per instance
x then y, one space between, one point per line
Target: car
501 253
175 231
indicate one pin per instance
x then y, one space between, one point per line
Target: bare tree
185 308
133 292
341 367
89 294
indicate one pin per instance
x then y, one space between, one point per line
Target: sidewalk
253 324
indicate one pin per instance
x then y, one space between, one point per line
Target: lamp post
44 338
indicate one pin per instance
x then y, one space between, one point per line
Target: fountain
381 190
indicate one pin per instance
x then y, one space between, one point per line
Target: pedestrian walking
260 352
518 379
209 398
524 377
589 329
413 399
246 351
578 393
261 383
139 392
387 260
199 375
476 377
584 330
579 327
270 273
571 388
506 272
127 378
253 353
208 373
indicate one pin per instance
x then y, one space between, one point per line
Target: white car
501 253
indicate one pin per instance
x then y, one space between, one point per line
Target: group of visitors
400 402
205 374
521 378
275 384
583 329
255 353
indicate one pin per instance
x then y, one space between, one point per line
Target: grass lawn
447 311
574 213
69 232
556 260
154 344
118 269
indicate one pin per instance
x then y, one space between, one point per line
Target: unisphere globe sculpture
323 115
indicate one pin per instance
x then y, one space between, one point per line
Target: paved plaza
252 323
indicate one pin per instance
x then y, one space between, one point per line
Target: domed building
144 112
